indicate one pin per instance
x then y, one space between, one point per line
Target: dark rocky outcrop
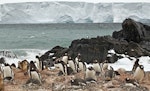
57 50
131 31
134 31
133 40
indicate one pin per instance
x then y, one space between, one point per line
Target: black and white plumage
97 67
78 82
38 63
72 65
62 67
90 74
81 66
131 82
8 73
139 73
34 74
78 58
136 64
65 58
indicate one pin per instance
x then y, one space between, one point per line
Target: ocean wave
22 54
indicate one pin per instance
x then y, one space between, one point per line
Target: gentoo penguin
13 65
97 67
104 66
8 73
65 58
136 64
72 65
109 74
34 74
90 74
131 82
78 82
78 58
38 63
81 66
139 73
62 67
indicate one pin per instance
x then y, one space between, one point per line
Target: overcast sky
93 1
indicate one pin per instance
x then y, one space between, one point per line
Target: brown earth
52 82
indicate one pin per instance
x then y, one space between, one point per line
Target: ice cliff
73 12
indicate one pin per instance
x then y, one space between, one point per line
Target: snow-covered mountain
73 12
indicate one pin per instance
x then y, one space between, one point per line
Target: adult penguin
81 66
78 82
90 74
62 67
38 63
34 74
65 58
78 58
72 65
136 64
97 67
139 73
8 73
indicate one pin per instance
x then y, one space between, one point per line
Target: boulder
131 31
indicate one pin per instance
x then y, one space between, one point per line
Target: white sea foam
28 54
125 62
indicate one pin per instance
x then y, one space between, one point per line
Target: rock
131 31
133 40
113 58
92 49
2 60
135 32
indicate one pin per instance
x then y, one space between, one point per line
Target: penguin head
137 61
32 66
127 79
90 68
13 65
66 54
37 56
70 58
95 61
141 67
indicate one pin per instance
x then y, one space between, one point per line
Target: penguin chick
109 74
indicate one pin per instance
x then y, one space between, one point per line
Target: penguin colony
68 66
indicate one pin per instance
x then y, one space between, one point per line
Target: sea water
25 39
29 40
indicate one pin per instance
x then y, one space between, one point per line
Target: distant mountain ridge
73 12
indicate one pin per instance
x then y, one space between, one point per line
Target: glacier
73 12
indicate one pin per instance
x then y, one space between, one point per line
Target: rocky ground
52 82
